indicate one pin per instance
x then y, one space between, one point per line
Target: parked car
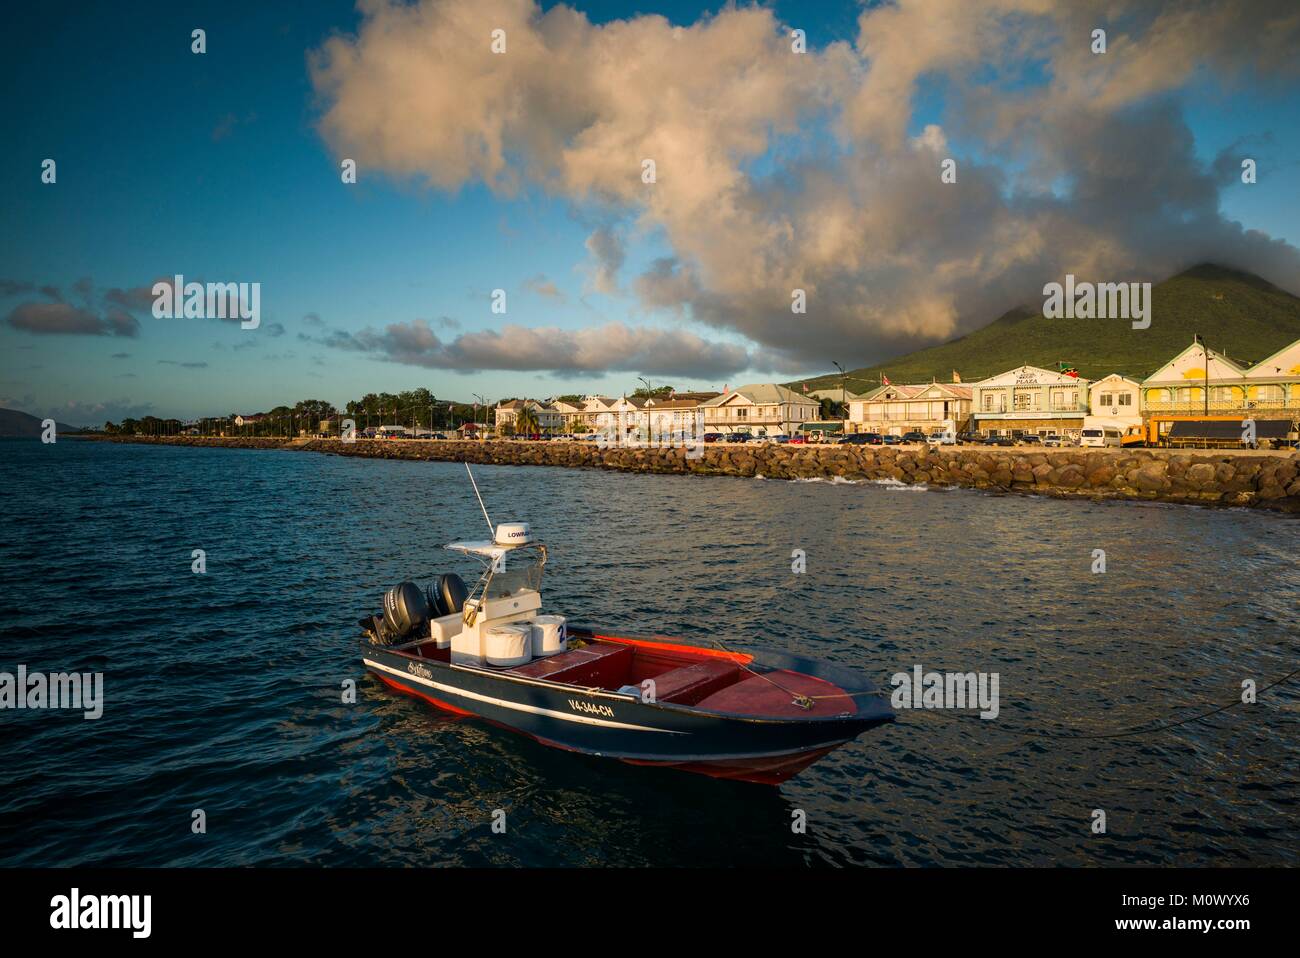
798 440
1031 440
861 439
740 437
969 438
713 437
999 441
1052 439
892 440
914 437
943 438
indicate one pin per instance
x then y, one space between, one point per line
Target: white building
1114 401
1030 400
762 409
549 419
895 409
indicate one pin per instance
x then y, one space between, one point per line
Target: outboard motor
405 610
451 592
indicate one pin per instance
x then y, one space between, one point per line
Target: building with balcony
680 415
594 412
1201 381
549 419
761 409
903 408
1029 400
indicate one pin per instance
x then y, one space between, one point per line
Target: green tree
526 421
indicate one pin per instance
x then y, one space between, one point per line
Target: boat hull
758 748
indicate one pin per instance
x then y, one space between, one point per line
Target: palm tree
526 422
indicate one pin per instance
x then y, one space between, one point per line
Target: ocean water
223 690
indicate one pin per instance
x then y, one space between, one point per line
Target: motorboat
494 651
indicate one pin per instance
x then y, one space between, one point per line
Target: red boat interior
683 675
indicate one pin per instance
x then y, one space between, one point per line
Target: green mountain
1237 314
15 424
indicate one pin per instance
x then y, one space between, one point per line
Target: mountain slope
1235 313
16 424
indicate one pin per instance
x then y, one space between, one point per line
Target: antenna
491 529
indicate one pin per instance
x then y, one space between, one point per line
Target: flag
805 388
885 381
956 376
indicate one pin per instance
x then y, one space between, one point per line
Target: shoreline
1207 478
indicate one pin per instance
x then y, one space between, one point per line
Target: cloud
191 365
607 254
227 125
542 286
93 413
778 171
613 346
64 319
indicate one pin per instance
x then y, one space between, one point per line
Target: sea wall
1208 478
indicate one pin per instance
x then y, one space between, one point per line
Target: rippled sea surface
223 691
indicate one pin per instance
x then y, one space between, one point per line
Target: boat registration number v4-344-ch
591 708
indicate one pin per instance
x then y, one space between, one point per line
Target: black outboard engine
405 610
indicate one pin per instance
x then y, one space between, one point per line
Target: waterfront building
895 409
682 414
1029 400
1201 381
1114 401
549 419
762 409
598 414
570 413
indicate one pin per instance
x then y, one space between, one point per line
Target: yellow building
1201 381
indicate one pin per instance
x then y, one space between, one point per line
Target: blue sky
213 166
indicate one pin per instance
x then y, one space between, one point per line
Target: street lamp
844 406
483 403
649 433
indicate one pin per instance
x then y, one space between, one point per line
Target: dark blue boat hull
617 725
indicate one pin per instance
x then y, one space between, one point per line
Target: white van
1101 436
945 435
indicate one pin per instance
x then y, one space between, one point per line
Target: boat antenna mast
491 528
